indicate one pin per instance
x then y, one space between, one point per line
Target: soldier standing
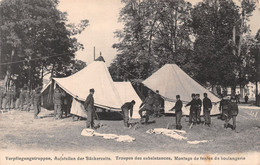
193 114
1 97
148 107
89 107
27 100
178 112
8 97
57 101
22 98
246 99
157 104
125 111
37 102
232 113
207 106
198 111
224 107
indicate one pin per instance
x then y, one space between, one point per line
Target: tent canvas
96 76
171 80
127 94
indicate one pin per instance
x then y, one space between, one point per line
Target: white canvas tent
127 94
108 94
171 80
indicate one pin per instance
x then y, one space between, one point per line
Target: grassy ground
19 131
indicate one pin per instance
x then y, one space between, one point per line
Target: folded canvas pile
176 134
119 138
199 141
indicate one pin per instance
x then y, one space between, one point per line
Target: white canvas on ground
127 94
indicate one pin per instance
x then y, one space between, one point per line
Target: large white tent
108 94
171 80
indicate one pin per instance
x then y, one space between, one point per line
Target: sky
103 22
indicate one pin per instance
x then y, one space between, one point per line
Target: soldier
13 98
22 98
66 104
32 99
198 111
178 112
232 113
224 107
207 106
148 107
157 104
1 97
37 102
125 111
246 99
8 97
27 100
89 107
193 114
57 101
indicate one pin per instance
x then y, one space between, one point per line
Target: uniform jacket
199 103
157 100
57 97
192 104
223 104
37 97
232 109
148 103
207 103
128 106
89 102
178 106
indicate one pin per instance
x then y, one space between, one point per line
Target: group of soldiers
23 102
28 98
151 105
9 99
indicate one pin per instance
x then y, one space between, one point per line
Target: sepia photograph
129 82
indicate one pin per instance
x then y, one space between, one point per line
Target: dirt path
19 131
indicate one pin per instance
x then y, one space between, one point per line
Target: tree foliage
155 33
35 29
208 40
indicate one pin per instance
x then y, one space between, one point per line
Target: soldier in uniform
8 97
57 101
246 99
232 113
193 108
224 107
22 98
207 106
157 104
27 100
1 97
66 105
89 107
37 102
198 111
13 98
148 107
178 112
128 106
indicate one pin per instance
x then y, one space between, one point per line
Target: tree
155 33
217 46
35 33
